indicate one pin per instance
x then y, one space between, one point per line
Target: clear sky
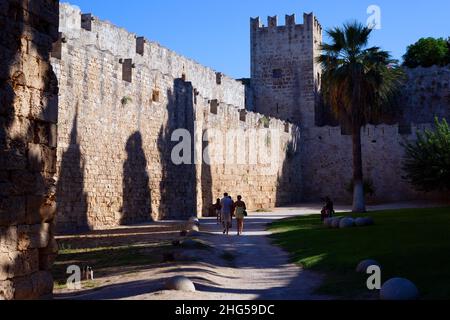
216 32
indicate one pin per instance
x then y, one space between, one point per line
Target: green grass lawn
413 243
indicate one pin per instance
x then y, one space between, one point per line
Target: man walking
227 207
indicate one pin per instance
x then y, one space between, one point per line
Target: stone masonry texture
28 128
88 111
121 98
285 81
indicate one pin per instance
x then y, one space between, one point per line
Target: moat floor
248 267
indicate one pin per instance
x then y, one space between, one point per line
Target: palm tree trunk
359 202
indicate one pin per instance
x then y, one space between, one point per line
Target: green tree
357 82
427 52
427 160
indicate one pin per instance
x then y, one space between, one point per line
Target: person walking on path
233 208
218 211
240 212
227 207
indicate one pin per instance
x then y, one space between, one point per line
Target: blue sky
216 33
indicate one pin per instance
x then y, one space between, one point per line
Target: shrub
126 100
427 160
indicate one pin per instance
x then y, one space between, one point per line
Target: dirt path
236 268
231 268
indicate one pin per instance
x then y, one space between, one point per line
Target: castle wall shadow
72 199
137 204
178 184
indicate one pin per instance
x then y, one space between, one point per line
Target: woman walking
240 213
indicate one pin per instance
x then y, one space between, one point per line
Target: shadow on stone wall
288 189
206 185
72 200
137 204
178 183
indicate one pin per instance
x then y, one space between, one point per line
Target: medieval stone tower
285 78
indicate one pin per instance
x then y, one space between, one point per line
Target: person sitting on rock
328 210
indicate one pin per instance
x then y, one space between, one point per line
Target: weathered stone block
12 210
52 135
33 236
18 264
47 110
49 160
24 182
6 287
8 239
47 256
35 158
12 160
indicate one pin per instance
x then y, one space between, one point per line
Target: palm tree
357 83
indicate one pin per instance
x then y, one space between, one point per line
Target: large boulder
399 289
364 265
180 284
346 223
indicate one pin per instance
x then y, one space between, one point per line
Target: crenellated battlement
310 22
84 30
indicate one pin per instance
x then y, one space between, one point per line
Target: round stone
399 289
194 221
364 265
335 222
346 223
369 221
180 284
195 229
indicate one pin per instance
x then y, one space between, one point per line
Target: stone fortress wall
120 98
28 119
327 169
285 81
285 78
